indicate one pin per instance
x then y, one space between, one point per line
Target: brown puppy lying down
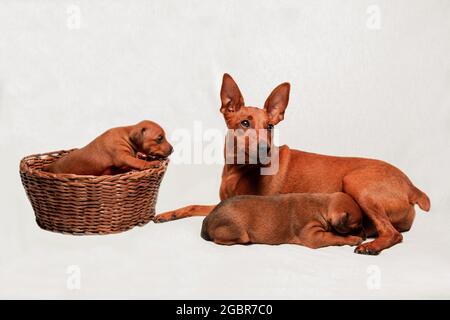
117 150
310 219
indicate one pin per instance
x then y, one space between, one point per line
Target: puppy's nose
170 150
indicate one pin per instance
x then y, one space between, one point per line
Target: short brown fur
312 220
384 193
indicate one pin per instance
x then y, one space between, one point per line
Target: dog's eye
269 126
159 139
245 123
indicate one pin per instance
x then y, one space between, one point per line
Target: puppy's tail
204 233
420 198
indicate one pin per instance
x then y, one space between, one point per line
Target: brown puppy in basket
313 220
116 151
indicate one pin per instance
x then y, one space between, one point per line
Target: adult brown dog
312 220
384 193
117 150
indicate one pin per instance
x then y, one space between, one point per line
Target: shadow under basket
77 204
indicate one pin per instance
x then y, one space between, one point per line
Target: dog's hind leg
387 234
384 200
185 212
404 221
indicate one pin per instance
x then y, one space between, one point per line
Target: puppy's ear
137 137
232 99
339 221
277 102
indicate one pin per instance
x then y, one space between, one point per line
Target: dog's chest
245 183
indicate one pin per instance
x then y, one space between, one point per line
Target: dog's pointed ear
230 95
277 102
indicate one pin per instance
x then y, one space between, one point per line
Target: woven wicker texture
74 204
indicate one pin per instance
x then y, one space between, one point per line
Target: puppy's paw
367 249
354 240
151 165
147 166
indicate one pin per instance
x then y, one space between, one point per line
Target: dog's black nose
170 150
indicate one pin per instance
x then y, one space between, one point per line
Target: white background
381 93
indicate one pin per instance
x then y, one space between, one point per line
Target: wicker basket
75 204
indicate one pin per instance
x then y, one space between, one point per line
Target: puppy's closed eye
159 139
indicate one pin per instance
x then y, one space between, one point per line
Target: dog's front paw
367 248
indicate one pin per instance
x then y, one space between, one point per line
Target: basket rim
25 169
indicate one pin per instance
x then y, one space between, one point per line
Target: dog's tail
420 198
189 211
204 233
